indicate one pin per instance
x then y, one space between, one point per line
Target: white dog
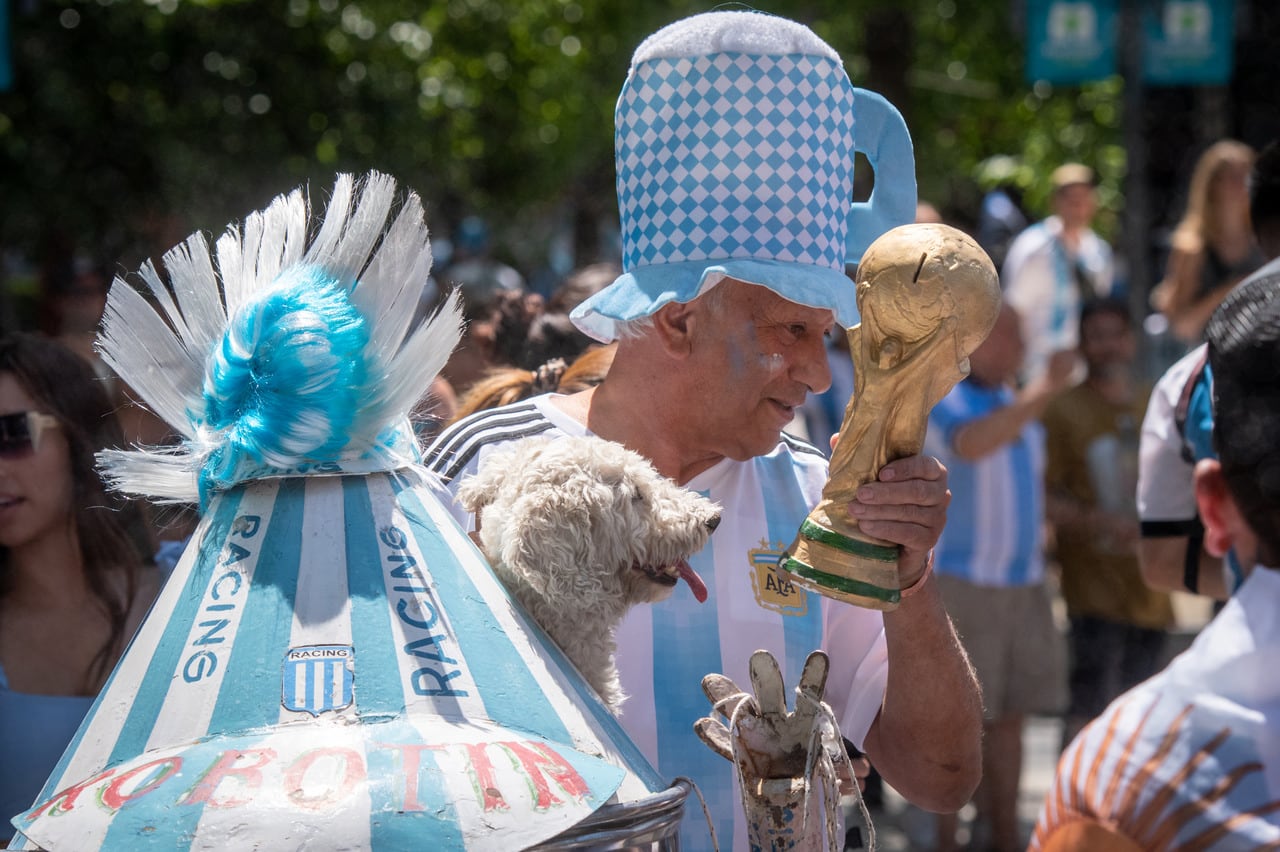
581 529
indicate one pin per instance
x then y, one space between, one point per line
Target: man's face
1075 204
755 357
1107 343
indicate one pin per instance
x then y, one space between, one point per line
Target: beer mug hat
734 148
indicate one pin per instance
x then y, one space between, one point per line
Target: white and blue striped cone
735 140
332 664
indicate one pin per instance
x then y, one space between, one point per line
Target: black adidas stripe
455 448
451 440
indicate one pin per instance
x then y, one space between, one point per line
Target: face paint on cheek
739 353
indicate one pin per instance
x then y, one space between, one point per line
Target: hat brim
644 290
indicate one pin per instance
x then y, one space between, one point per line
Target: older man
735 151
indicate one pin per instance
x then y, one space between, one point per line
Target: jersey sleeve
855 642
1166 491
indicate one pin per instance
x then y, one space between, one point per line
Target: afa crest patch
773 589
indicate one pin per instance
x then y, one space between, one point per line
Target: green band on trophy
833 539
839 584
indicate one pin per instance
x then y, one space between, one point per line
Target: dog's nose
713 522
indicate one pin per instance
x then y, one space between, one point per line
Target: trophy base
843 568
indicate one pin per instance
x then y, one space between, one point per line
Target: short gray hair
712 299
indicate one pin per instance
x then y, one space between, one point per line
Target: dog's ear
540 540
477 490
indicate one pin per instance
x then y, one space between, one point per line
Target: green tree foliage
132 122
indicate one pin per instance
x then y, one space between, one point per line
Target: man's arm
926 740
984 435
1163 561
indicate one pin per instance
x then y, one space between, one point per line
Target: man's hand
907 505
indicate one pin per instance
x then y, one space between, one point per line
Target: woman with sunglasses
76 575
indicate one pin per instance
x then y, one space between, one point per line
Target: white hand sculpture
779 754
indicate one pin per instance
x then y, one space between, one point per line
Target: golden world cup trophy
928 296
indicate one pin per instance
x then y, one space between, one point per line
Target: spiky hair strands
287 355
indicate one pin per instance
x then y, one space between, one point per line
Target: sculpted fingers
766 680
813 678
715 735
723 693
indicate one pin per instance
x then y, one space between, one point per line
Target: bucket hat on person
735 140
1072 174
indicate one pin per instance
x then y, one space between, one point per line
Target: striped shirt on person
665 649
993 535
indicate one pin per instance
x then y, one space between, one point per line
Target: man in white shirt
735 153
1055 266
1190 759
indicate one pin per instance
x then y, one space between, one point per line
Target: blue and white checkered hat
735 140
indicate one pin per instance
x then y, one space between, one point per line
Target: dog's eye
636 496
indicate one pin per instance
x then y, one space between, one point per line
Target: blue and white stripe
993 533
448 678
665 649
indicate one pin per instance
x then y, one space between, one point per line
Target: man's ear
674 323
1223 523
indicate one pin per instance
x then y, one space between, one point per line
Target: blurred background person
551 334
1055 266
927 212
1213 246
1117 624
1189 758
1177 431
989 562
496 307
1001 216
580 284
472 264
76 573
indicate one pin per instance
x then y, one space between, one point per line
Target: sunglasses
20 433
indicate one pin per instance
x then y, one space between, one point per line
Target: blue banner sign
1071 41
1187 42
6 63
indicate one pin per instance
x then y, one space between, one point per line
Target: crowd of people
1055 474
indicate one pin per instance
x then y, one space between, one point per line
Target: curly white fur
580 530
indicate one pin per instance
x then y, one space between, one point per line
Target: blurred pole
1137 206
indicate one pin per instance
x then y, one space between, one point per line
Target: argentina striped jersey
993 533
665 649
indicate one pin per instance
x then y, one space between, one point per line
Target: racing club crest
317 678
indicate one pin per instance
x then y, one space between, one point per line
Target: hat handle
881 135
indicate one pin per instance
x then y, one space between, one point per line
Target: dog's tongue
691 577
